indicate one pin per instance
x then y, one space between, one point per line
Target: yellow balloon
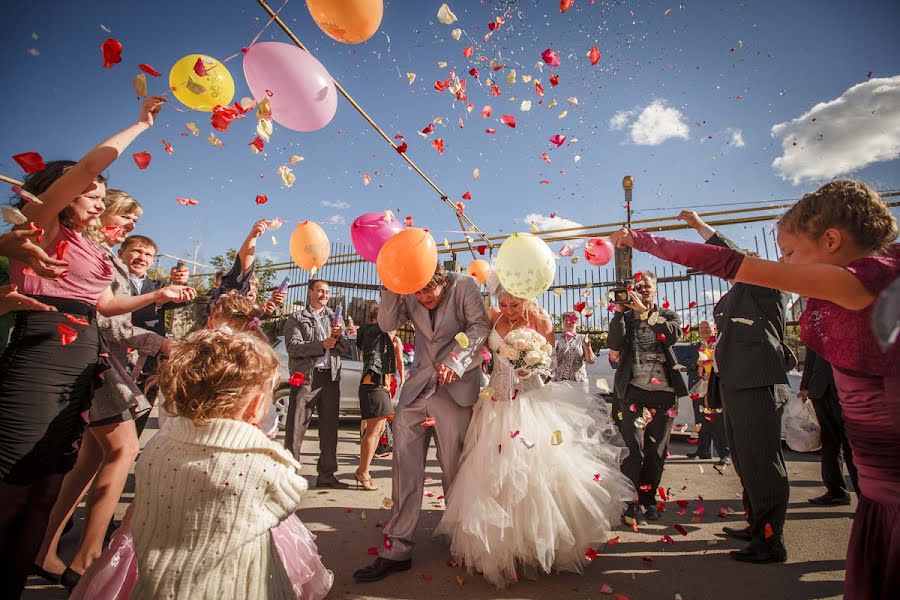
525 266
201 92
309 245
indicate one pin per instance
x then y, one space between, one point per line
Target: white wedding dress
527 499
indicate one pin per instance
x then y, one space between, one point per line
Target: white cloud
620 119
839 136
656 123
335 220
338 204
545 223
737 138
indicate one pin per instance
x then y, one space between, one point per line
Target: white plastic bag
801 427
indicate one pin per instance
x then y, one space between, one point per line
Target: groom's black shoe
760 553
381 568
738 534
330 481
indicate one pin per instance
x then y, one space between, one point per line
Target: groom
436 399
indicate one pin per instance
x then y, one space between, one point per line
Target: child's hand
150 107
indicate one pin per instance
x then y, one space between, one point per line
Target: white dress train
528 499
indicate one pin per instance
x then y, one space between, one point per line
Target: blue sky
685 101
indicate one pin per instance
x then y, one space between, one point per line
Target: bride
539 481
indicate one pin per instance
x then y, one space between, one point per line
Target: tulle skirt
539 484
114 574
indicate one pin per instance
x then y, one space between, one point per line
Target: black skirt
374 401
46 390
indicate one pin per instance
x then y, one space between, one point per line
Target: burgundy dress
868 383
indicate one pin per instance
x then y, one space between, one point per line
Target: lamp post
623 255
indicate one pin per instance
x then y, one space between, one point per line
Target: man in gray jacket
314 343
436 399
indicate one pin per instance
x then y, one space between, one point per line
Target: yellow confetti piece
362 516
486 392
556 438
295 159
456 34
446 243
534 228
603 386
572 100
552 103
666 14
740 44
410 77
525 106
438 120
313 271
460 579
441 64
274 241
557 292
214 140
13 215
476 174
563 114
264 128
140 85
644 316
511 77
462 339
526 78
192 127
263 110
575 260
387 502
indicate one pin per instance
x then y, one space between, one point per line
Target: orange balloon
407 261
309 245
480 270
347 21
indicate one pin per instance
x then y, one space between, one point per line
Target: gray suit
321 390
462 309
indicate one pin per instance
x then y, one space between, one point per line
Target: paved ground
640 566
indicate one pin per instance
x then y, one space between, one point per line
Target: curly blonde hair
211 374
850 206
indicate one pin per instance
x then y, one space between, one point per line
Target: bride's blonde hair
529 306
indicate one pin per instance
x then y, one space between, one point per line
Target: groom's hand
445 374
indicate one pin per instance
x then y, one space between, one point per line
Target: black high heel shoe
41 572
69 579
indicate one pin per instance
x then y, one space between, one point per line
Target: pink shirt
90 271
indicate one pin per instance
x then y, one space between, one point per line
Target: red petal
428 129
590 554
662 494
768 531
558 139
31 162
686 329
61 248
438 145
538 88
473 72
440 85
141 159
481 249
67 334
467 196
692 304
112 52
565 5
428 422
401 148
595 55
490 130
612 541
550 57
77 320
554 80
409 221
186 201
373 551
297 379
508 120
257 143
495 90
149 70
648 559
168 147
467 51
665 303
40 235
580 306
637 276
200 68
661 337
486 111
680 529
262 199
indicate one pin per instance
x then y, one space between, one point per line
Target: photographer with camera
647 386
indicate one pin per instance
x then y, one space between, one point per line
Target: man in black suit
138 252
648 387
818 385
752 363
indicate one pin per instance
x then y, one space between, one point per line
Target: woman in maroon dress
839 250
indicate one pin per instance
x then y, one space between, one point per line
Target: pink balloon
370 231
301 92
598 251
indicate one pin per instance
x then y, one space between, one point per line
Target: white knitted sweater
206 497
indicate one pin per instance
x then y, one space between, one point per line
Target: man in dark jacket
818 386
648 387
752 363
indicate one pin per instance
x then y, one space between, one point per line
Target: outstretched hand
691 218
12 300
150 107
622 238
18 244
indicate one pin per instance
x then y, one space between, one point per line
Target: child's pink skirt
113 575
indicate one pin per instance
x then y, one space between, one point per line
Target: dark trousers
753 428
141 422
323 397
712 433
834 439
646 445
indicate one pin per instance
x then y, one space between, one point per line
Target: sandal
365 482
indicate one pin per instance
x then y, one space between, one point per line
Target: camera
621 294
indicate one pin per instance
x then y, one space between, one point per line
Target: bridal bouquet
527 351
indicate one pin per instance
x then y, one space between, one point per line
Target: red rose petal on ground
648 559
297 379
77 320
141 159
31 162
612 541
590 554
662 494
680 529
67 334
261 199
667 539
595 55
149 70
112 52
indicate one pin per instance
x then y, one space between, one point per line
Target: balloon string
258 35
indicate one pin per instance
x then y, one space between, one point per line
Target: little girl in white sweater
215 498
